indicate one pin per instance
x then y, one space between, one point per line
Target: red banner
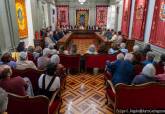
126 17
63 15
139 22
157 36
101 15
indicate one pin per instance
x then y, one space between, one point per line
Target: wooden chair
148 96
33 105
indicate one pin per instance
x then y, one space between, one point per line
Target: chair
27 105
33 105
159 68
98 61
148 96
32 74
70 61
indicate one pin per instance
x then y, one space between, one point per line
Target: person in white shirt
47 78
114 37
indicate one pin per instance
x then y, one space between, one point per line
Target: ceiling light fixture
82 1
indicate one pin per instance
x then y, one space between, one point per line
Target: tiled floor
84 94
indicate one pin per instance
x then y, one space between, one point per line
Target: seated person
37 52
7 59
136 48
123 48
55 59
119 38
146 49
48 39
112 66
73 49
3 101
30 51
23 63
44 60
149 58
49 82
113 49
125 72
114 37
103 49
109 34
160 65
92 49
55 36
147 75
15 85
62 50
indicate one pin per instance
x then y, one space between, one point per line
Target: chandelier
82 1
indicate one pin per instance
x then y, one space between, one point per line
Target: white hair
129 57
55 59
46 51
23 55
149 70
120 56
3 100
53 51
122 45
136 48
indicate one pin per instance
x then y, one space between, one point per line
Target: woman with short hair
147 75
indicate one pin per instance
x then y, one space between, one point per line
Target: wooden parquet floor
83 44
84 94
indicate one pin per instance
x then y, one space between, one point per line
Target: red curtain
101 15
62 15
126 17
157 36
140 16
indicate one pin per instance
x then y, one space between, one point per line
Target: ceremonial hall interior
82 56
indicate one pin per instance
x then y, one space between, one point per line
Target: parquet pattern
84 94
83 44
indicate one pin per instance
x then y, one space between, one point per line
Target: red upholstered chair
159 68
33 105
98 61
107 76
30 56
70 61
32 74
149 96
27 105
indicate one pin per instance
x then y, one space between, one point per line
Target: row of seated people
122 76
76 27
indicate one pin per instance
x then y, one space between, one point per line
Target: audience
23 63
146 49
3 101
112 66
92 49
149 58
44 60
125 72
113 49
7 59
103 49
15 85
49 82
123 48
119 38
147 75
73 49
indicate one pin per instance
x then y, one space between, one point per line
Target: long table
88 35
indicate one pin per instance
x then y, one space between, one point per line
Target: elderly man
125 72
3 101
23 63
149 58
